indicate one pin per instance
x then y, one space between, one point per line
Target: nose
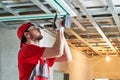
38 29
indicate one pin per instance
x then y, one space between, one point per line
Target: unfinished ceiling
95 28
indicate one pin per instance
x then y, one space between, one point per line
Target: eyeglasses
32 28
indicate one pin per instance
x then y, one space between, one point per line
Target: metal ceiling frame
78 24
65 7
41 6
61 9
83 41
93 22
8 9
111 8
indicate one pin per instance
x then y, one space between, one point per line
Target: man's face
35 33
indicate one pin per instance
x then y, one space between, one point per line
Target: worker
34 61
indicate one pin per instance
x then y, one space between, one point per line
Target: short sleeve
32 53
50 61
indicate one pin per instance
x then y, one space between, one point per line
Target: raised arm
66 55
60 50
57 49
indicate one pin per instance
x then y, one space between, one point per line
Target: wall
8 55
79 68
106 69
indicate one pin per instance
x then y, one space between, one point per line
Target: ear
26 34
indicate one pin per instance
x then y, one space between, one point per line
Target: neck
33 42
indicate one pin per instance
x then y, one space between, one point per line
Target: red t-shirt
28 58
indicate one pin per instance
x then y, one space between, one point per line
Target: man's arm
66 55
57 49
60 51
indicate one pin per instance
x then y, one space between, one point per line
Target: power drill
65 23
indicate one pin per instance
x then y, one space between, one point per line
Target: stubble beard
36 38
39 37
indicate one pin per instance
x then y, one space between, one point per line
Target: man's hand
59 27
58 24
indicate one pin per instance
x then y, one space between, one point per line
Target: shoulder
31 47
31 50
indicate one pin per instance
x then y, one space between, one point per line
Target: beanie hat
21 30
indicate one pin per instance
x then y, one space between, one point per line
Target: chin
40 37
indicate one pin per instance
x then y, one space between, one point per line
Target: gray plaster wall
9 46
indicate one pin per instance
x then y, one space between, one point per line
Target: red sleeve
50 61
32 53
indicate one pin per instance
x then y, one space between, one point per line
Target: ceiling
95 29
